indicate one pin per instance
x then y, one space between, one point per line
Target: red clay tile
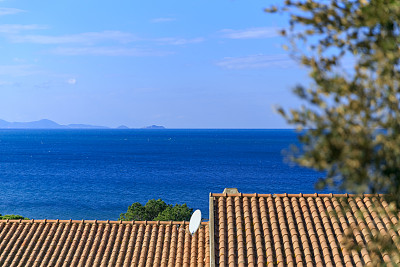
298 229
249 230
95 243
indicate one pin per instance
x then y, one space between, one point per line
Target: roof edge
102 222
294 195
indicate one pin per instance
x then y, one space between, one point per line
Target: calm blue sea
97 174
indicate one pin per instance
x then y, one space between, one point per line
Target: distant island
45 124
49 124
154 127
122 127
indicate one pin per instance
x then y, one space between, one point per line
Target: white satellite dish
195 221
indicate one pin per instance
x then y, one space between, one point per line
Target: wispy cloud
105 51
87 38
251 33
160 20
180 41
9 11
71 81
16 28
5 83
19 60
105 43
256 62
18 70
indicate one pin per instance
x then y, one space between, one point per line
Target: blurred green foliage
349 120
351 109
156 210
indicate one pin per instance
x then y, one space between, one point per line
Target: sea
97 174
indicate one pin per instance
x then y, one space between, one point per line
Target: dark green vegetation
156 210
12 217
352 105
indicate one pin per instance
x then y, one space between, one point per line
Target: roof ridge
101 222
292 195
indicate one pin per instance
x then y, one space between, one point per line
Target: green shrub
12 217
156 210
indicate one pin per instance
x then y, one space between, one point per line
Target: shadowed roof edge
293 195
103 222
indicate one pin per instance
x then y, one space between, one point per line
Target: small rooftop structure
230 191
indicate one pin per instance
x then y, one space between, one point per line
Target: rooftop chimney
231 191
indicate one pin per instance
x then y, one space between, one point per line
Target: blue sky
181 64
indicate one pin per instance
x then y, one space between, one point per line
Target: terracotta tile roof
294 230
102 243
245 230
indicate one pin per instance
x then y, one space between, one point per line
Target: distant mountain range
48 124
